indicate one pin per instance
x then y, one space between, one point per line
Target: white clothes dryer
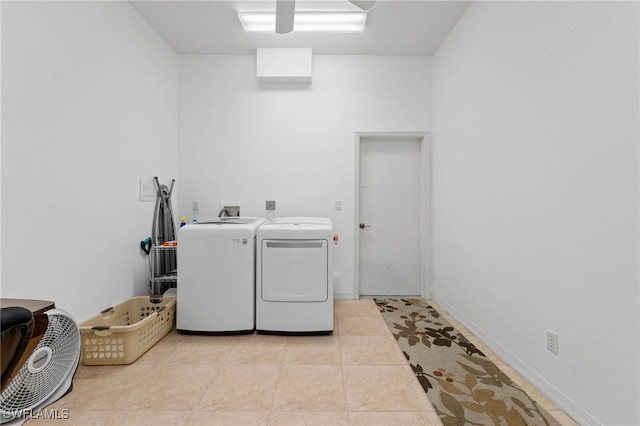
294 276
216 275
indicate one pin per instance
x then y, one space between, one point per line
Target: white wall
247 143
89 95
535 194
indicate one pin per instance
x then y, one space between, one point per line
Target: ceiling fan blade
364 4
285 10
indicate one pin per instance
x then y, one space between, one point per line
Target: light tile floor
357 376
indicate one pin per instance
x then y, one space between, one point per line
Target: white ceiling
394 27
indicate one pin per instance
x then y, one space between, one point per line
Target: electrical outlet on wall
552 341
270 205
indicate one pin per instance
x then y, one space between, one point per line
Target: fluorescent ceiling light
338 22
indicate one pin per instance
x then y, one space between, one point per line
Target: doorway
392 184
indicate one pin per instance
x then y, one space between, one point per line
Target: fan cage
30 389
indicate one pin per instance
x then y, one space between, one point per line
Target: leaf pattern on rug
464 386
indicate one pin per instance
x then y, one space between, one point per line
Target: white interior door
389 210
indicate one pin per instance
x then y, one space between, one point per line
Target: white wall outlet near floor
552 341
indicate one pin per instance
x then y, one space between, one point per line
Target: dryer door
294 270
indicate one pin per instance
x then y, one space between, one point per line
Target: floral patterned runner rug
463 385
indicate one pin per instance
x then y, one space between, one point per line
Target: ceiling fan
285 12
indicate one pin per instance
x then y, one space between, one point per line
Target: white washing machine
294 276
216 275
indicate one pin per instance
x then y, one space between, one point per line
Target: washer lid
231 224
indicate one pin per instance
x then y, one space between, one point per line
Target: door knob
362 226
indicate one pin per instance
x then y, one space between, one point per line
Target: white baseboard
577 413
343 296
